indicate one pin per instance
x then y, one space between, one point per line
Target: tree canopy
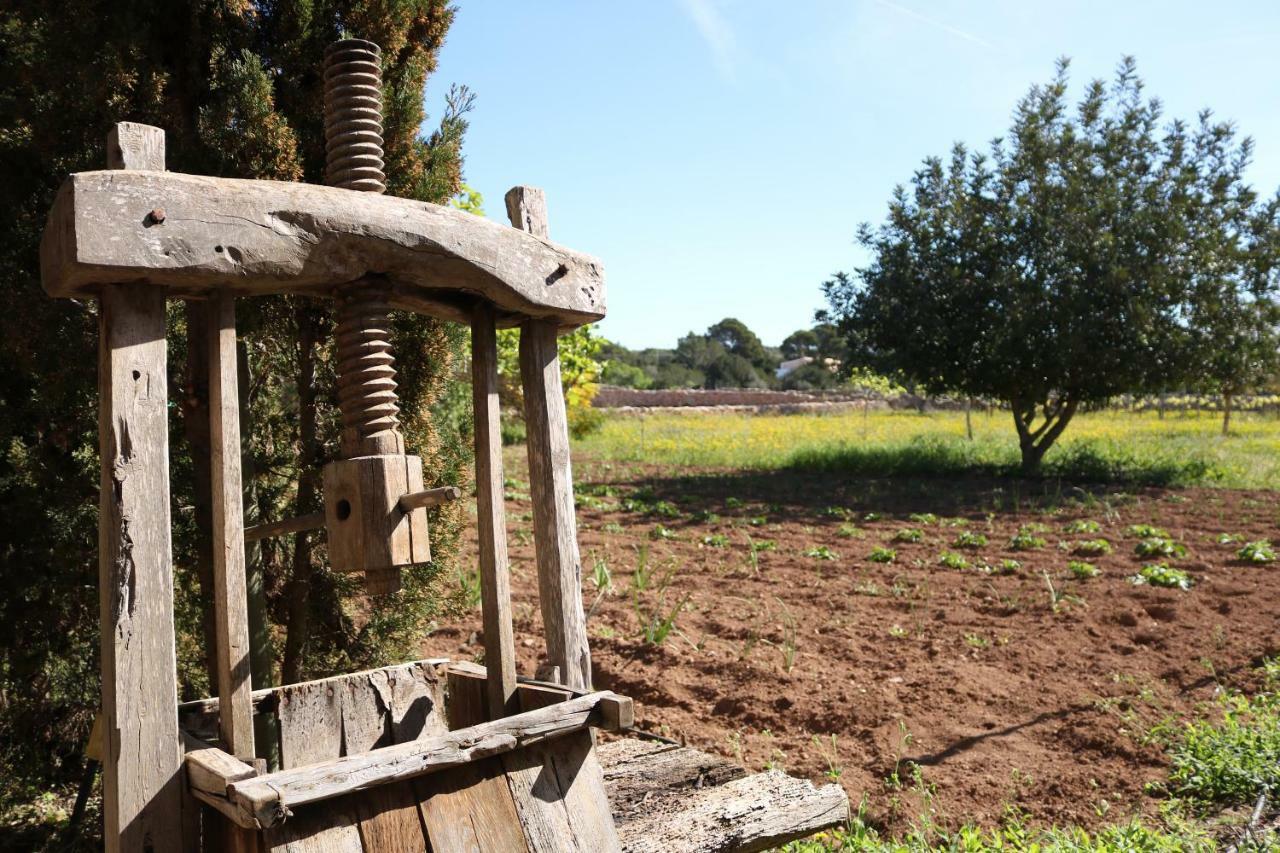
1091 252
238 89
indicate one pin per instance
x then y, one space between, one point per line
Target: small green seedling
952 560
1160 574
872 516
664 533
1082 570
923 518
1083 525
1026 541
970 539
909 534
1159 546
1257 552
715 540
1007 567
1092 547
898 632
733 503
612 527
882 555
1147 531
706 516
849 530
1228 538
821 552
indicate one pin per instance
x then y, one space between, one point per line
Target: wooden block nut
368 531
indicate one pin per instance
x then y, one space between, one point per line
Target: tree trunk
299 588
1226 413
1034 443
968 417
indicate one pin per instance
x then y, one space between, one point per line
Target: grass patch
1107 446
1230 760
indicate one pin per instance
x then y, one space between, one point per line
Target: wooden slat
268 797
142 773
495 577
366 721
470 808
555 529
310 716
230 597
323 828
388 814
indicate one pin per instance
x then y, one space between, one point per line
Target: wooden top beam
194 235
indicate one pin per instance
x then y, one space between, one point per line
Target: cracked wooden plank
192 235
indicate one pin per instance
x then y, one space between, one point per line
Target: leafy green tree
740 341
237 88
800 344
1064 266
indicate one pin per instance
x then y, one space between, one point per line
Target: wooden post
142 762
495 581
550 475
230 596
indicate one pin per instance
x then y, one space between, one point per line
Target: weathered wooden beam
230 592
495 574
270 798
208 771
555 528
679 800
193 235
142 766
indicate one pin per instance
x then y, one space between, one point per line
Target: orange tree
1079 259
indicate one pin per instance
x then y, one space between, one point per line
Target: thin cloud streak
715 31
934 22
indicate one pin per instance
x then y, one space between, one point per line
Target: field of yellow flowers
1180 449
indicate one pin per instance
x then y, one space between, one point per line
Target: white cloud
715 31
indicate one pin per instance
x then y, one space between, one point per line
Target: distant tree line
730 355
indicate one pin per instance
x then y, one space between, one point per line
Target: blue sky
718 155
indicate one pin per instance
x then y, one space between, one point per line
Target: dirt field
1002 692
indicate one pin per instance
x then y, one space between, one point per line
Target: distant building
791 365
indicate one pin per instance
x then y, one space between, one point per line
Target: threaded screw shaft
353 142
353 116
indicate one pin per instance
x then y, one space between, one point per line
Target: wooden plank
230 595
297 524
199 715
267 797
325 828
527 210
388 814
366 722
135 146
417 702
429 498
495 573
471 807
142 770
758 812
210 769
260 237
389 819
555 529
310 716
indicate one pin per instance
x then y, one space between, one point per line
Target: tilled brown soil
917 686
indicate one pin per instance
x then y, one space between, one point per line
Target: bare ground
863 672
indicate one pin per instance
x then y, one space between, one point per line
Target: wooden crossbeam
268 799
